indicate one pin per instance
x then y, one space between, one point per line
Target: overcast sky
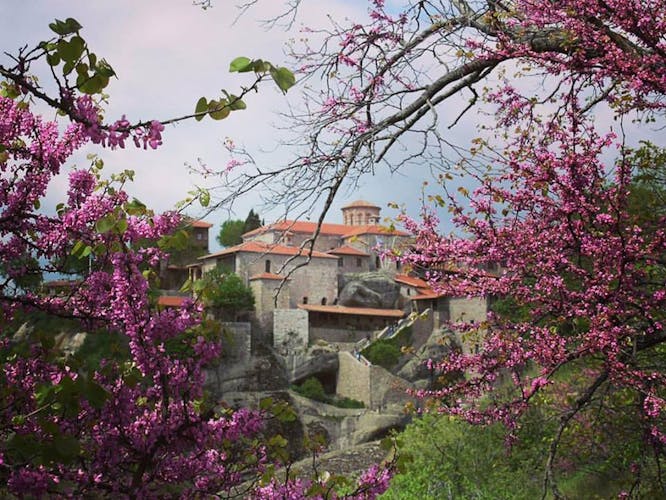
167 54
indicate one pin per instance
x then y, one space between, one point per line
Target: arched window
323 301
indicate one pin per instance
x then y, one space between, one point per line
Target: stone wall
313 282
290 330
372 384
463 309
339 335
236 341
353 378
264 303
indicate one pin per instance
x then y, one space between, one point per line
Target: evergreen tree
252 221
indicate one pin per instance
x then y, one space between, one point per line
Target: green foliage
252 221
103 345
443 457
25 271
386 352
313 389
225 293
383 353
230 232
220 108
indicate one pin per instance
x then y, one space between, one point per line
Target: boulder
377 290
321 363
436 347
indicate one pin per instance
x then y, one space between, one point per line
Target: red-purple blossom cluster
573 255
87 112
134 426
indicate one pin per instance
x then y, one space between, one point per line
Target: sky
169 53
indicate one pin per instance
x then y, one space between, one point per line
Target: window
359 262
341 261
267 266
378 262
199 236
323 301
305 300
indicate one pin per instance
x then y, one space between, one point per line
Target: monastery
302 288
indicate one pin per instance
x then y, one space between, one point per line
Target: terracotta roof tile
299 227
267 249
372 229
171 300
411 281
347 250
201 223
358 311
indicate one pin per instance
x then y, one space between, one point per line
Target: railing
390 331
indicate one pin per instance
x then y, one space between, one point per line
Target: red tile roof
267 276
200 223
267 249
171 300
422 287
299 227
411 281
372 229
426 294
359 311
342 230
347 250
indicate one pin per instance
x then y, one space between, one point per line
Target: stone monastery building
274 256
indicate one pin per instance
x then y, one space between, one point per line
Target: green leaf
260 66
204 197
201 107
96 394
121 226
104 69
94 85
218 110
266 404
284 78
68 67
240 65
53 59
71 51
67 447
236 103
105 224
187 286
135 207
78 248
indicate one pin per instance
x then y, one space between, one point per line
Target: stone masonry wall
464 309
337 335
353 378
290 330
316 281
